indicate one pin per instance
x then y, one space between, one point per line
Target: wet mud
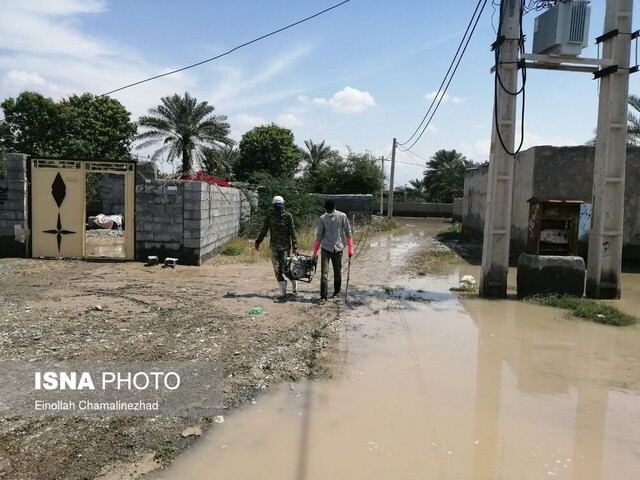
430 384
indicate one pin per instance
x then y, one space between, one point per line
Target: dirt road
81 311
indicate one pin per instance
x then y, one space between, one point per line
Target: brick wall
190 221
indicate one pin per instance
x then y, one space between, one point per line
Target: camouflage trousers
279 262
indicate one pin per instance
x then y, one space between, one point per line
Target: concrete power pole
497 226
605 237
393 169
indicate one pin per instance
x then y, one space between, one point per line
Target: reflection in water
446 390
544 386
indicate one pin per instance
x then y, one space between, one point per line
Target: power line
229 51
446 81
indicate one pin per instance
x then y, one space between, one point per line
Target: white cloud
45 28
231 90
57 7
247 122
20 80
288 120
347 100
444 96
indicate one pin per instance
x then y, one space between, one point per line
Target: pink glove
350 246
316 247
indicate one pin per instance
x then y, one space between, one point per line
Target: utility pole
382 189
393 169
497 226
605 237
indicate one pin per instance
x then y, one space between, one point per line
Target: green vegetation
270 150
454 232
231 250
184 128
81 126
587 309
163 454
383 225
358 173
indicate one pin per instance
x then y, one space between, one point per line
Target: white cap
277 199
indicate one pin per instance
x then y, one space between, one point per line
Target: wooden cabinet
553 226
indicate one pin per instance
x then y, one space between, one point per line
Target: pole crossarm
564 63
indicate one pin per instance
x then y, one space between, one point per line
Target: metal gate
58 205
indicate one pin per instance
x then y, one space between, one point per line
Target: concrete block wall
212 218
190 221
359 205
553 172
457 209
160 219
112 194
14 221
415 209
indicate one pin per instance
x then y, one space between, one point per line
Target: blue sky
356 76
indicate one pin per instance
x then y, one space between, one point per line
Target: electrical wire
499 84
274 32
453 68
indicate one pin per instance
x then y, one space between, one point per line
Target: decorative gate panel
58 205
57 208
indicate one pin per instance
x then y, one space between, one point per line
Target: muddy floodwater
432 386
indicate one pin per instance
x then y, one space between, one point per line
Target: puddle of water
439 388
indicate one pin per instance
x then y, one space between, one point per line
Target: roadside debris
467 284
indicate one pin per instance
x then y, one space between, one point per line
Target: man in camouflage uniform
283 239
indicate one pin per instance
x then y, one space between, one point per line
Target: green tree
359 173
633 124
183 127
329 177
80 126
444 176
364 174
633 129
269 149
315 154
96 127
32 124
305 208
220 161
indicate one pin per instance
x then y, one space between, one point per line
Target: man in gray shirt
333 230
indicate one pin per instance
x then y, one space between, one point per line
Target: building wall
14 208
190 221
414 209
475 194
352 205
554 172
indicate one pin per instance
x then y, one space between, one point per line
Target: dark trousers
336 262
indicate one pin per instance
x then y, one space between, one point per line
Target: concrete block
162 237
170 262
192 243
143 236
152 260
156 227
7 214
550 274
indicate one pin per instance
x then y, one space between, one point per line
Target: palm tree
316 154
220 160
184 127
633 128
444 175
418 185
633 124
